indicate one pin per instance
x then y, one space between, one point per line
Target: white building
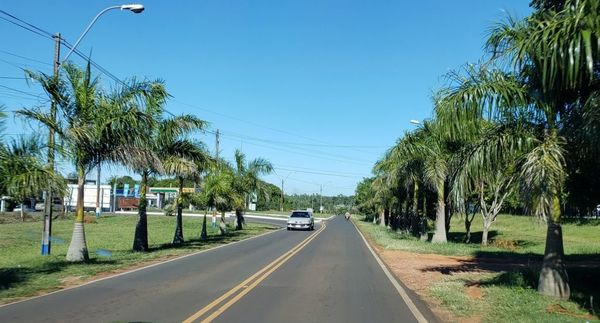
89 197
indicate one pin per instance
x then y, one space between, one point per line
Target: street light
135 8
47 228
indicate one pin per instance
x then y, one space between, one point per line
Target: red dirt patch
474 291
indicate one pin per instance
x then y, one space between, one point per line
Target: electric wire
24 57
39 31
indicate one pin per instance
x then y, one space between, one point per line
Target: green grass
24 272
512 295
509 234
507 297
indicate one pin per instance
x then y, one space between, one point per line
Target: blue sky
319 88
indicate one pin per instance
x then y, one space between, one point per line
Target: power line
316 173
24 57
320 170
306 152
246 121
23 92
25 25
348 161
302 144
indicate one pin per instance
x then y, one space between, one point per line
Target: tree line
519 127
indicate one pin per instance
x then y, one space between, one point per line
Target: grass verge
498 283
24 272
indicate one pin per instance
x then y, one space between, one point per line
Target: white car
301 220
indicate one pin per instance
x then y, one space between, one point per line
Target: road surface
328 275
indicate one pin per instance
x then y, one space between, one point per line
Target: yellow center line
245 286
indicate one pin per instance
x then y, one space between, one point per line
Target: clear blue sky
320 88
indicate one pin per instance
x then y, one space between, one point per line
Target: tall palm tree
162 138
89 133
554 58
246 181
428 144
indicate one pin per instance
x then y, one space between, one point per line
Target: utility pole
217 145
98 205
281 195
49 202
321 196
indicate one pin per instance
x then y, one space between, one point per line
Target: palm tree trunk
222 226
239 215
78 246
424 234
178 238
554 280
22 213
140 239
440 218
414 216
204 234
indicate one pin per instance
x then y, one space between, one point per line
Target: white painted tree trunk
78 247
440 221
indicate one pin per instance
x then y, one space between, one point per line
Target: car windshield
300 215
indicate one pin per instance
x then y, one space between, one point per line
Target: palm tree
553 55
184 159
162 138
90 134
219 192
246 181
429 145
22 172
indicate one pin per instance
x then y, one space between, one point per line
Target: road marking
411 306
246 286
141 268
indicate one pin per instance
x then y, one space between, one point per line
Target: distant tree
122 180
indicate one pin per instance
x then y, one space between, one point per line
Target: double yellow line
243 288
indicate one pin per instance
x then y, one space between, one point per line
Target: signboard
89 196
126 190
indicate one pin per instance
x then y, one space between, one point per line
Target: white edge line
138 269
411 306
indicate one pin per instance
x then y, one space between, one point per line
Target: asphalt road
327 275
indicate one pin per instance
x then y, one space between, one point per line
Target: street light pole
135 8
48 203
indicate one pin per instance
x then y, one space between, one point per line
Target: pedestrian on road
214 220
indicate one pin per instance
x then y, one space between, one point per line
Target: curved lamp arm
135 8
